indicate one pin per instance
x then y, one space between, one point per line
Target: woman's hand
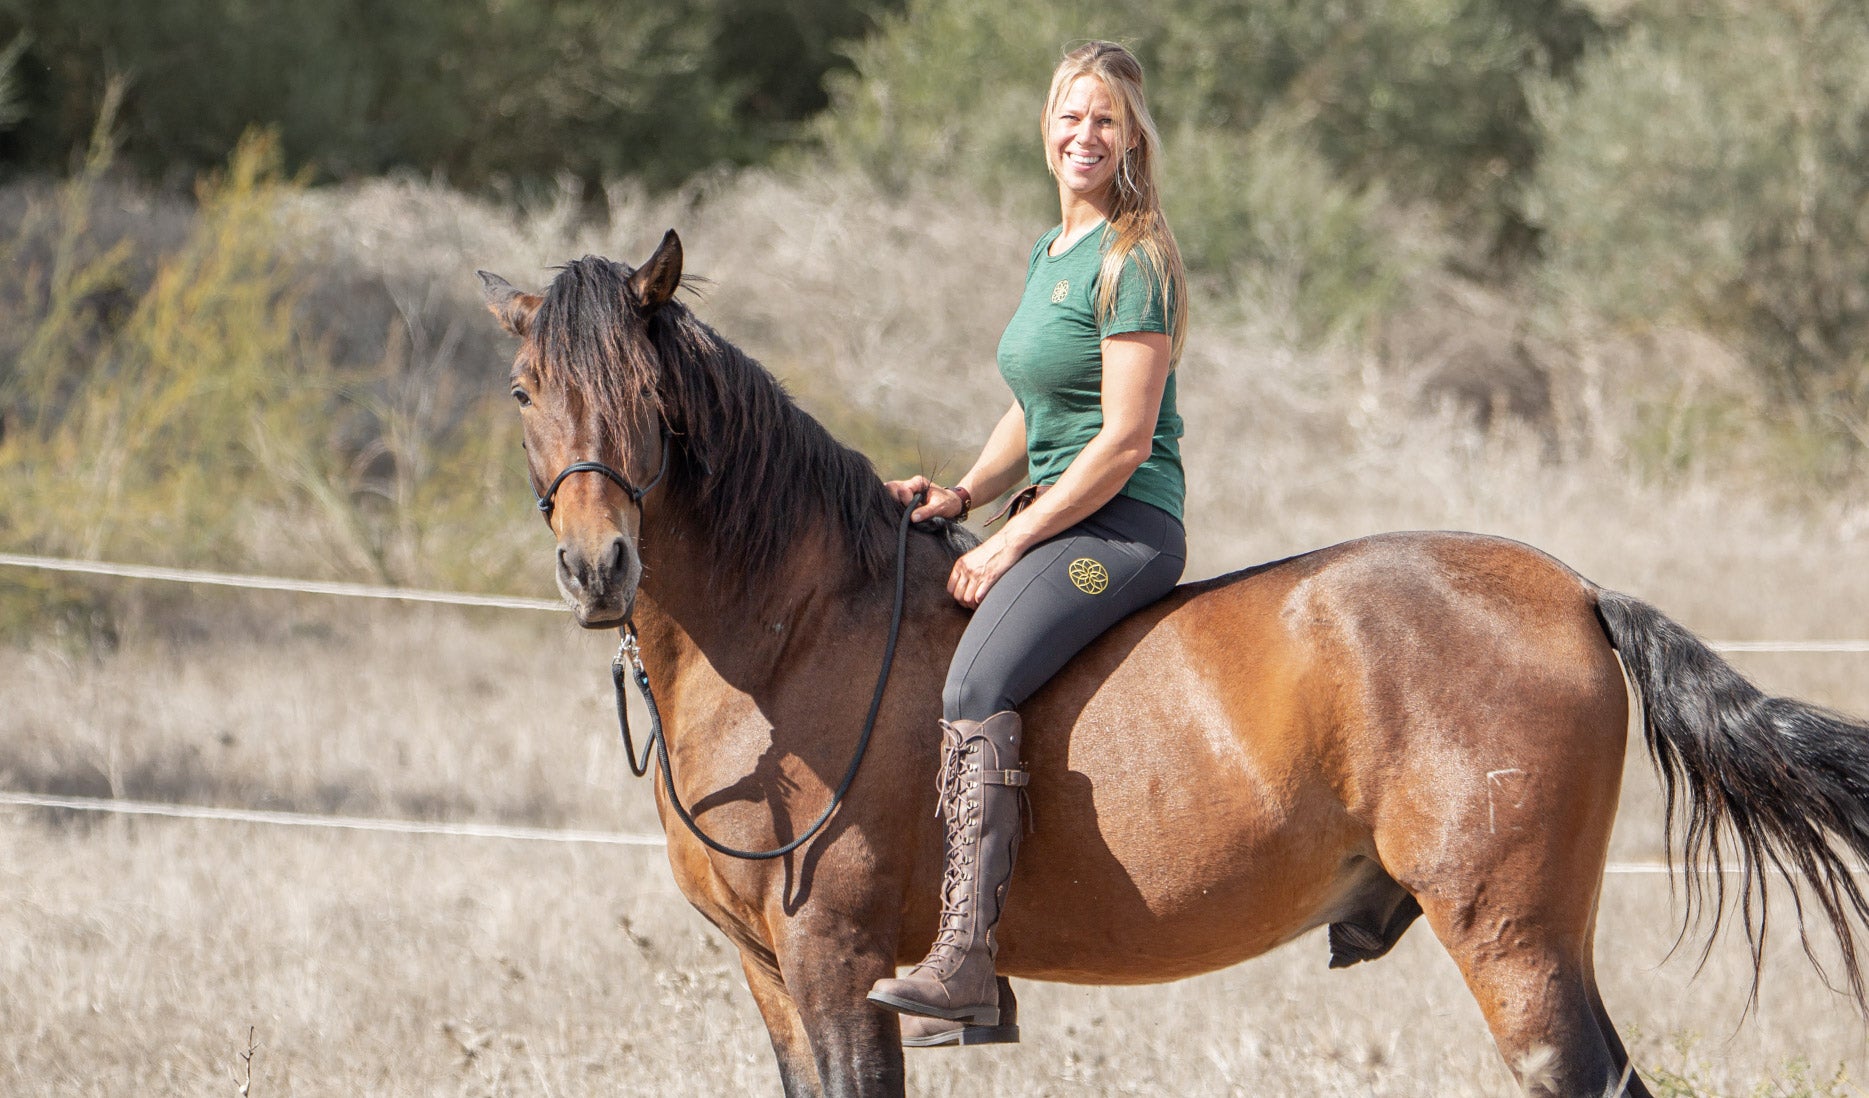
979 569
941 502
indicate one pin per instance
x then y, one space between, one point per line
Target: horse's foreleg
798 1072
857 1045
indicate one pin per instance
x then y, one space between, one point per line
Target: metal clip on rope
629 650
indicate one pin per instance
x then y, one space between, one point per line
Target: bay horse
1315 741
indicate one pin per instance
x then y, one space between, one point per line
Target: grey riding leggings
1058 598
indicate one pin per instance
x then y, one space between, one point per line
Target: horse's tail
1786 782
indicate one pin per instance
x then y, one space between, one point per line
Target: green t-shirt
1052 357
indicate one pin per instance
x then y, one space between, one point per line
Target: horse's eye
524 399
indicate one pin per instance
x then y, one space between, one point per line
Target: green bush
148 438
1712 171
1423 98
194 415
495 90
1265 211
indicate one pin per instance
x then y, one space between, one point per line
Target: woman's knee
973 698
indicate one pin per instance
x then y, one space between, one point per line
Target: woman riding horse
1328 736
1089 355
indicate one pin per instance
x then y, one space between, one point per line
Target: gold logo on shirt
1089 576
1060 292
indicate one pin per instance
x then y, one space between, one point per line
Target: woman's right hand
941 503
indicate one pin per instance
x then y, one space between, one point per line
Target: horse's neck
752 637
743 632
818 582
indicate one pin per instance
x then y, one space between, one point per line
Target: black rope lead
628 650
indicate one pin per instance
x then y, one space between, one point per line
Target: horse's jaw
599 618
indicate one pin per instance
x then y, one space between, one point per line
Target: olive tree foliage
1427 97
1306 142
1712 171
478 90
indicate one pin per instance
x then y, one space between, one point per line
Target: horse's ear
513 307
660 275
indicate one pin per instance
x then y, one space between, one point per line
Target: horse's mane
760 470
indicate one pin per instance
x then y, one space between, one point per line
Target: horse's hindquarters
1260 756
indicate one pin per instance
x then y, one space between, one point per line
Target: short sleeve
1141 305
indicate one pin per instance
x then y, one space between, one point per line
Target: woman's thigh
1047 607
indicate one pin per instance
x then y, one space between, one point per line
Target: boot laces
959 808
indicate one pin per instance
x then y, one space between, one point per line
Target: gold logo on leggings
1089 576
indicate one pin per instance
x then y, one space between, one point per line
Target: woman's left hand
979 569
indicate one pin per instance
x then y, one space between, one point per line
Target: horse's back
1239 762
1339 626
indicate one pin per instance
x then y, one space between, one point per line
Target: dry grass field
137 955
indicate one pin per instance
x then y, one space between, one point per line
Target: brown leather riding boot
981 780
921 1031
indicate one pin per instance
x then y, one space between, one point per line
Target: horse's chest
736 907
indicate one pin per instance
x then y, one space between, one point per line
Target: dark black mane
760 470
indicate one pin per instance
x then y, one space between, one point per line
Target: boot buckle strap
1005 777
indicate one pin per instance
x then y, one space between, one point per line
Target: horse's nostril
617 556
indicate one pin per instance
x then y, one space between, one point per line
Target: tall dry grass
136 954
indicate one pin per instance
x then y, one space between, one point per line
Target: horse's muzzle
599 580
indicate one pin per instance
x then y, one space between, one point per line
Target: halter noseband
634 493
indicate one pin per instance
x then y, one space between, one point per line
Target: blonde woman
1089 355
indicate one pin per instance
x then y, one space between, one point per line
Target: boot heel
989 1035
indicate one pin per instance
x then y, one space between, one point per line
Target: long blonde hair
1136 207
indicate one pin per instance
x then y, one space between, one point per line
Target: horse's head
596 434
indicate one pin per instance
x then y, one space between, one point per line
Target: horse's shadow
1068 795
1065 796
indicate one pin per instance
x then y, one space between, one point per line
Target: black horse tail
1786 782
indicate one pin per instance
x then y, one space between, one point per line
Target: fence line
518 602
343 823
276 583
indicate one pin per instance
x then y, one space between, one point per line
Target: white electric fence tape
274 583
343 823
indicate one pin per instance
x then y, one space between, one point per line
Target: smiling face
1085 142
